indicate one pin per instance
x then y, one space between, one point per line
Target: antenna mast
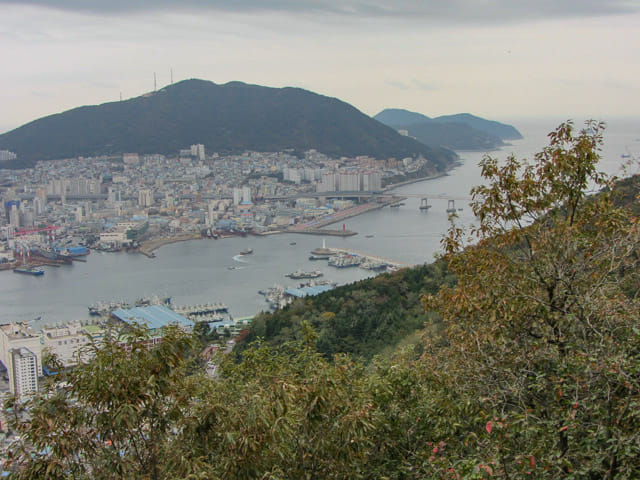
154 81
172 76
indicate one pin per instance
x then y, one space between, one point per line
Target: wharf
148 246
388 261
323 231
315 227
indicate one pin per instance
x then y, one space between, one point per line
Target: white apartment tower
197 151
246 194
24 367
145 198
237 196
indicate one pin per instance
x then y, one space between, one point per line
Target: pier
347 251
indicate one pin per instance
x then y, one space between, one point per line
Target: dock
347 251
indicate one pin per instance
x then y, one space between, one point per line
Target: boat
368 236
246 251
292 243
345 261
325 256
300 274
373 265
29 270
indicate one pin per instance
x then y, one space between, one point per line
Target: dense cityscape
60 210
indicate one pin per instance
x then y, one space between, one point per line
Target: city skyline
501 60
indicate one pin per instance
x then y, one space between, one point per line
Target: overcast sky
500 59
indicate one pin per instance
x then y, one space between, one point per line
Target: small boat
29 270
299 274
246 251
319 257
368 236
292 243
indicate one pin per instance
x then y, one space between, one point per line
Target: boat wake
239 258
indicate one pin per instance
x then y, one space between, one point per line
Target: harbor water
203 271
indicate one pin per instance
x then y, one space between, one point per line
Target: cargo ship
29 270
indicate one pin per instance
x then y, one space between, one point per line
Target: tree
111 417
542 324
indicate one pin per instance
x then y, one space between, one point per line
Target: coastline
148 247
455 164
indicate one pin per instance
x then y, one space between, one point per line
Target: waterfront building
349 182
23 372
66 342
197 151
15 337
328 183
6 155
154 317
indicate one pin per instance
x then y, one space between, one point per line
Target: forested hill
228 118
363 318
460 132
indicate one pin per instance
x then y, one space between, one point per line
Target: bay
197 272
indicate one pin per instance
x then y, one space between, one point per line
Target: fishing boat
29 270
246 251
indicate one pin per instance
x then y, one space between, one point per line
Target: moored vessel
29 270
300 274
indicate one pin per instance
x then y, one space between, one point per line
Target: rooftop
153 317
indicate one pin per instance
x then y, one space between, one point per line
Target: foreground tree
542 326
111 417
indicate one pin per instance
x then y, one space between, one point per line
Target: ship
373 265
246 251
29 270
300 274
345 261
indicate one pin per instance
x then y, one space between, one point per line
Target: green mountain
459 132
228 118
501 130
399 116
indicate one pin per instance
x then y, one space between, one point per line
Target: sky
500 59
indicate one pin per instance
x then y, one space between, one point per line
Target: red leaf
532 461
564 428
489 426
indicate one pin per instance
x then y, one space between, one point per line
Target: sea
205 271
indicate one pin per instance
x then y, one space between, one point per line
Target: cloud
431 11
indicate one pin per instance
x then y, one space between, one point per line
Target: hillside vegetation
361 319
533 371
462 131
